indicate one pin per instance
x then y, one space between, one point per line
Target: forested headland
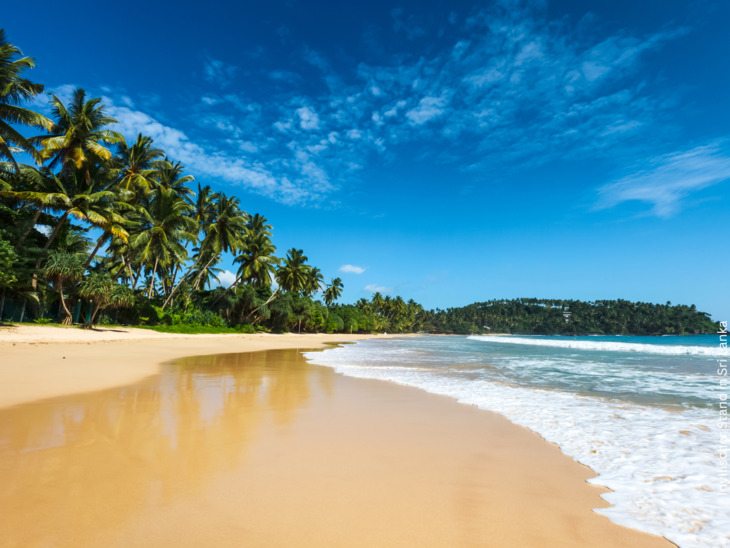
571 317
98 230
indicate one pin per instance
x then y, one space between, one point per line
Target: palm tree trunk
137 277
68 320
99 243
31 227
89 324
273 296
202 271
169 297
219 297
152 283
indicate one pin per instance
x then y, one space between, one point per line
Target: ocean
643 412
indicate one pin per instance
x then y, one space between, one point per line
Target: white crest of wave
607 346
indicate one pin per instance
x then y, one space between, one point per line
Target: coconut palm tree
37 188
315 281
165 225
14 91
333 291
61 269
78 136
224 231
257 261
293 274
170 176
139 169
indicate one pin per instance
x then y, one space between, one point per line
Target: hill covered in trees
570 317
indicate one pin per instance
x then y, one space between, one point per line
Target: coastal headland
130 437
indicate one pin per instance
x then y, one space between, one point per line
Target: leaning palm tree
34 188
78 136
61 269
14 91
223 228
138 164
333 291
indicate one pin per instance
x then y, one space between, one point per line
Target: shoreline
498 469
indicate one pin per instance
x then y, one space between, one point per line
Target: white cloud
351 269
428 108
372 288
308 119
225 279
669 179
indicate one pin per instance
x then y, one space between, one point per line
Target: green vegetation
99 230
567 317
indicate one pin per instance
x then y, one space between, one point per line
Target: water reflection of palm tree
82 466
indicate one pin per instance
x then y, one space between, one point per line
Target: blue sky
452 151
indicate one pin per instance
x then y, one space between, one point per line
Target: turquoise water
643 412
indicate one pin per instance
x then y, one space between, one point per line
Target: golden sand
262 449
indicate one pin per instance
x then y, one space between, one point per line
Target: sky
447 152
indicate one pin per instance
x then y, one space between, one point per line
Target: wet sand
39 362
263 449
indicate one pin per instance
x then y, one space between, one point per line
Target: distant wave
606 346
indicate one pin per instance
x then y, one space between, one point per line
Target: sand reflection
75 469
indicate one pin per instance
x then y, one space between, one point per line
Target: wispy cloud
351 269
669 179
218 72
373 288
505 87
297 184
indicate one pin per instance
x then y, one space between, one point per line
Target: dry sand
263 449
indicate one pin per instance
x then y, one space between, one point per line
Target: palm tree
170 176
139 164
15 90
333 291
62 268
257 260
293 274
36 188
78 136
315 281
164 227
223 232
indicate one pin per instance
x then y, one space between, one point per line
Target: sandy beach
105 442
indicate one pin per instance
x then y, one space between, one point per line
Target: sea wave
607 346
661 465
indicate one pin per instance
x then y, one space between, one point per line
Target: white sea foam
662 466
607 346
